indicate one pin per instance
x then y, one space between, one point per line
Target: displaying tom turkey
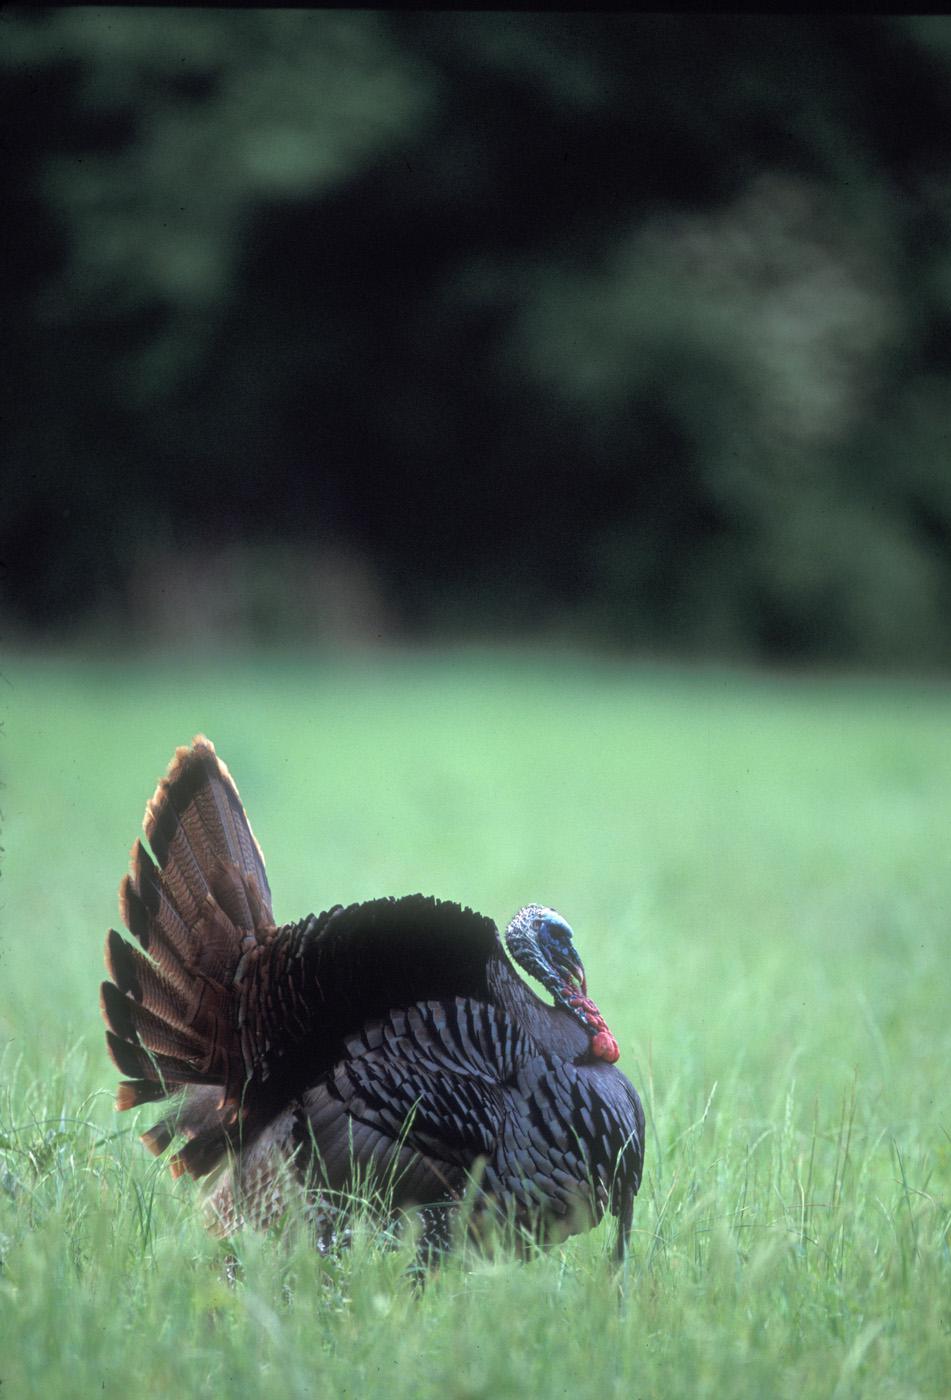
391 1041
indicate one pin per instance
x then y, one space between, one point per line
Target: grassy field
758 873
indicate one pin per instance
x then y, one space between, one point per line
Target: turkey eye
537 925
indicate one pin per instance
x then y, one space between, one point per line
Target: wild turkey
391 1037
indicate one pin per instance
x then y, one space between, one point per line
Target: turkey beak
572 972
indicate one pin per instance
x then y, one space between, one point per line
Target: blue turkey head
542 943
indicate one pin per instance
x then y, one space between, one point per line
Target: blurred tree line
628 329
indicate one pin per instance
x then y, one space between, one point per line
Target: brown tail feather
172 1015
132 1092
137 977
150 915
137 1062
136 1024
201 1120
196 820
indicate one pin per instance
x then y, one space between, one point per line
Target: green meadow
758 872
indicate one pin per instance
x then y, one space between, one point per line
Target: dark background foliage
623 329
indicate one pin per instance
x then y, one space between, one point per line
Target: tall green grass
757 870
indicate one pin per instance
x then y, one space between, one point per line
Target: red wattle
603 1044
605 1047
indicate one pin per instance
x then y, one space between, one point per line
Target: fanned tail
199 916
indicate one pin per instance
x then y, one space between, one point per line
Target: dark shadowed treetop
631 329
